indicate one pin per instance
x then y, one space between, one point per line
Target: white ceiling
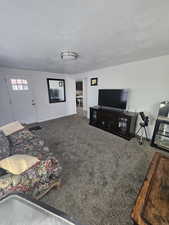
103 32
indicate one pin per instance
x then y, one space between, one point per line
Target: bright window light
19 85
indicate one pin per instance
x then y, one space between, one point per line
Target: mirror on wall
56 90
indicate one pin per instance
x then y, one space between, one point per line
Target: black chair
143 126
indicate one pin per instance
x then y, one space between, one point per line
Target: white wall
147 80
85 84
45 110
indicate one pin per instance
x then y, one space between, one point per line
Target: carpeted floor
102 173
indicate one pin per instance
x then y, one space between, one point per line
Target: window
19 85
56 90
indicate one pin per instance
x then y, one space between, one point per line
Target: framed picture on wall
94 81
56 90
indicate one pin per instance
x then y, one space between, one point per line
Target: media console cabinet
119 122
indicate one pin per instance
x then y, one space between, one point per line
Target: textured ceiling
103 32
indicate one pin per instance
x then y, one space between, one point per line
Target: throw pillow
4 146
11 128
18 164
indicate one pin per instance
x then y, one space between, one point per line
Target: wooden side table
152 204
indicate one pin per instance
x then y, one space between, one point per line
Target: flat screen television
116 98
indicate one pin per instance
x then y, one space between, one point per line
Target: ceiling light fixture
68 55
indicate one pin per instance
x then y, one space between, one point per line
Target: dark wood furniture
152 204
160 137
121 123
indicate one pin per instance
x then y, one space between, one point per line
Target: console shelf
118 122
160 137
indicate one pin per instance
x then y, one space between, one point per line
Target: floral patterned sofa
38 179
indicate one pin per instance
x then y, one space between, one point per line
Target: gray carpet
102 173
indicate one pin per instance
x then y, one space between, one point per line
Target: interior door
5 103
22 100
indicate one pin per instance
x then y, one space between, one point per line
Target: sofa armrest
37 176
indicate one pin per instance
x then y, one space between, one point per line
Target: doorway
5 103
18 95
79 97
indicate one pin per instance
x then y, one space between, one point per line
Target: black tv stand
110 108
114 120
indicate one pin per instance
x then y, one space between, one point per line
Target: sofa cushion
21 137
4 146
18 164
25 142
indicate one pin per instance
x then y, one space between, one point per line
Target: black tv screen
116 98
